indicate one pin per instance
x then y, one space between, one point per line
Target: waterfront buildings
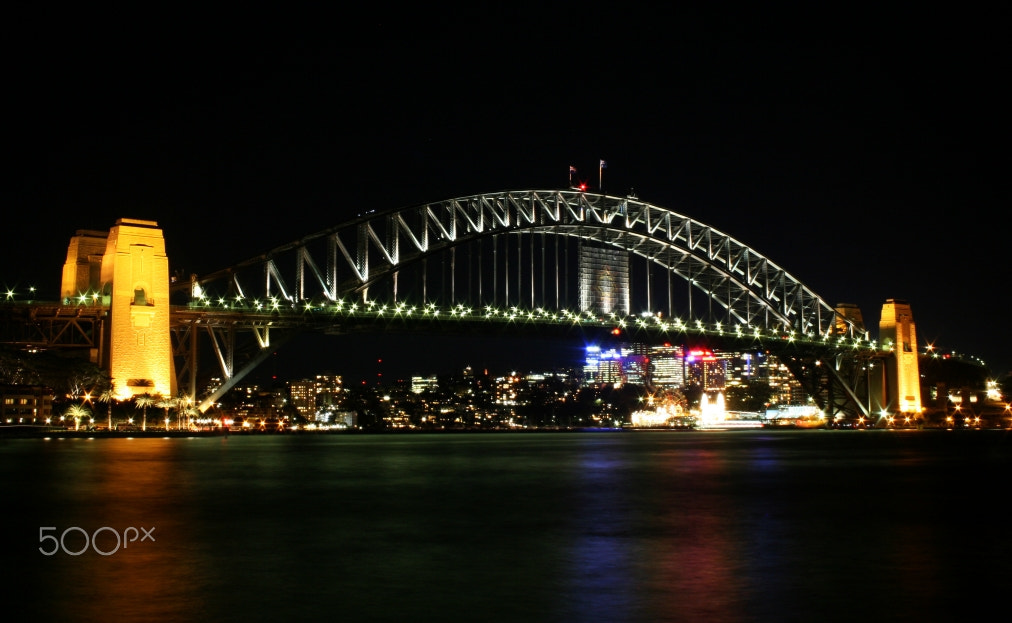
26 404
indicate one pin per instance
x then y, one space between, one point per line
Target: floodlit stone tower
135 284
901 382
848 312
82 273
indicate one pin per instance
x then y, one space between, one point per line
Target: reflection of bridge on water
508 262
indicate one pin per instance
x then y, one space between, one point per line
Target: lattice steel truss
743 287
730 288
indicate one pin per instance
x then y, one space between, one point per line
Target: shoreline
21 432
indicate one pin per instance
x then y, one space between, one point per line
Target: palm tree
167 403
108 397
77 412
190 412
142 402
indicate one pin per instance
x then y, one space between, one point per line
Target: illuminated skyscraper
421 383
667 366
604 280
328 390
602 366
303 396
742 368
636 364
702 368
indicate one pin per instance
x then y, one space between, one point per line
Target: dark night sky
861 152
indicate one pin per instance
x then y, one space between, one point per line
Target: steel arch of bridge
748 296
749 289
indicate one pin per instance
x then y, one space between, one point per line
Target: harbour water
751 525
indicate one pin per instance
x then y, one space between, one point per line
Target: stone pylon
901 382
135 286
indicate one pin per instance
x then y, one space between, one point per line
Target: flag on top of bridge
604 165
572 169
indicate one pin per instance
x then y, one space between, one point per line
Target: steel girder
751 290
51 325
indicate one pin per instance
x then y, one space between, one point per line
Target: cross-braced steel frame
512 248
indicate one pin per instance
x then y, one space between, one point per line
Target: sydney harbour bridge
509 262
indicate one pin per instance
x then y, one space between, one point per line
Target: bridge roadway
834 370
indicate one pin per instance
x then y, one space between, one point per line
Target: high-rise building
667 366
421 383
602 366
636 366
303 396
704 369
745 367
604 280
328 390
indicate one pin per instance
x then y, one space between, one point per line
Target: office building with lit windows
602 366
667 366
420 384
704 369
302 394
25 404
742 368
604 280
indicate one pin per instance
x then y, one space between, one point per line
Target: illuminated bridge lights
644 321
